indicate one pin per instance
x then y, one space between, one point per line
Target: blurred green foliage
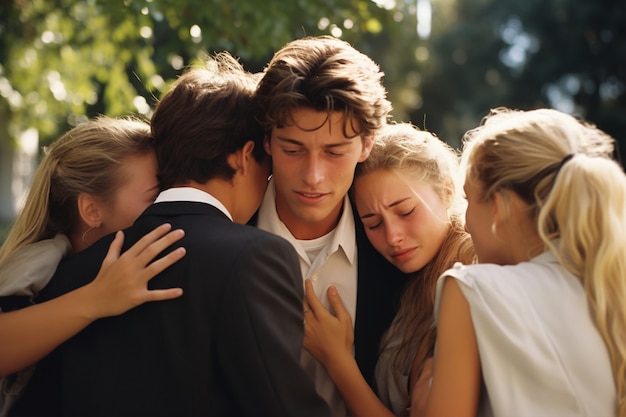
64 60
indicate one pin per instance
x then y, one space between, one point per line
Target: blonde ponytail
579 199
587 209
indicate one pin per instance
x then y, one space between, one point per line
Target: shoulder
264 263
262 237
30 268
497 283
493 287
260 244
78 269
479 282
472 275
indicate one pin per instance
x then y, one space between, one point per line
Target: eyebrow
393 204
298 143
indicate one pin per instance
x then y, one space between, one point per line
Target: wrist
85 299
339 361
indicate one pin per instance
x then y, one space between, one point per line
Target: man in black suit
231 344
321 103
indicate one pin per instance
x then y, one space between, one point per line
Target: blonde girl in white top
547 215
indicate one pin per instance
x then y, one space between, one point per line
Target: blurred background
447 62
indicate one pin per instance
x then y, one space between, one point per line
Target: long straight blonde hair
86 159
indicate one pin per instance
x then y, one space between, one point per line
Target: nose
313 171
394 234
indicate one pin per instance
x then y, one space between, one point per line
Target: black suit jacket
229 346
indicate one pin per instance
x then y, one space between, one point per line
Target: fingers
114 248
121 283
161 295
149 239
157 243
164 262
337 304
314 304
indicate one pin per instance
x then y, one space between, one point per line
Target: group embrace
274 244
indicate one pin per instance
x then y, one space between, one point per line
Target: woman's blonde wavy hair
563 168
86 159
423 157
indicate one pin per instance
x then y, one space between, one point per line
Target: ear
89 210
368 143
500 206
241 158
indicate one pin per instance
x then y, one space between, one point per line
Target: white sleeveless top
540 352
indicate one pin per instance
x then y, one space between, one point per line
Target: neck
82 238
529 247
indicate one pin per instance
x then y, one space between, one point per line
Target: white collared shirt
335 263
191 194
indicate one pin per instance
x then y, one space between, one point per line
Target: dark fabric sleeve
260 333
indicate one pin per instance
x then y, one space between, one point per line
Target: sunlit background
447 62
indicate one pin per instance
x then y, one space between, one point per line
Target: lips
310 197
403 254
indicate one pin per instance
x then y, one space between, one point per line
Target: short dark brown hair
325 74
207 115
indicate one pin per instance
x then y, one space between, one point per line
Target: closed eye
374 226
408 213
290 151
371 221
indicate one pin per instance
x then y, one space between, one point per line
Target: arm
456 374
29 334
329 339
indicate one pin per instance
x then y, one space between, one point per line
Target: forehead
333 124
389 185
139 167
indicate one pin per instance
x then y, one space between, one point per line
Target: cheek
139 208
130 209
282 167
469 219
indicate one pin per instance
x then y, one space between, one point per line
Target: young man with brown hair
321 101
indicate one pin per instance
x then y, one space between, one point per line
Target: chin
411 267
313 216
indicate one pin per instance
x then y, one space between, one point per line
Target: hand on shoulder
122 282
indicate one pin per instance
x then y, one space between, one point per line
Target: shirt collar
191 194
